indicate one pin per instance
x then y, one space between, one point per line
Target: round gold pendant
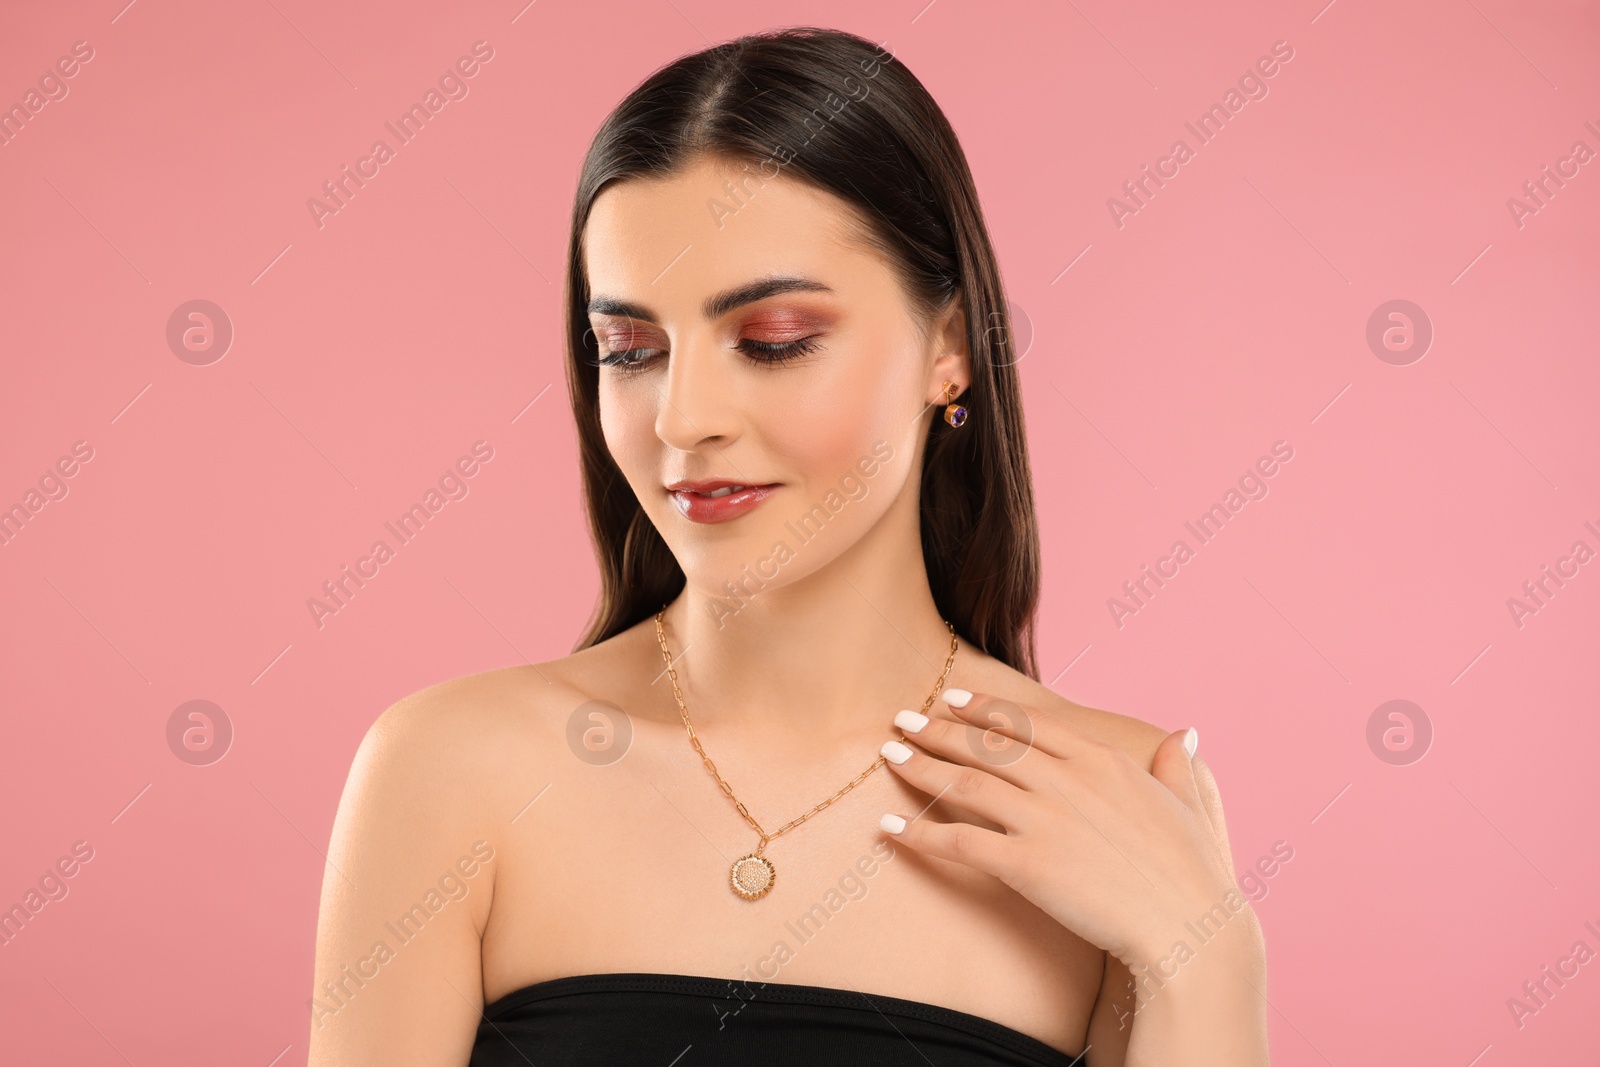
752 876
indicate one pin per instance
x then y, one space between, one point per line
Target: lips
713 500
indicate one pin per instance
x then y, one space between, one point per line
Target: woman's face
762 348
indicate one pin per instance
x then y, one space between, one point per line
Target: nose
697 405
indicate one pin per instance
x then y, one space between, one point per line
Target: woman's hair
835 111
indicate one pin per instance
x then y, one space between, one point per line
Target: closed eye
776 352
767 353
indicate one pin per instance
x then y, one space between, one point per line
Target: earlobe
955 414
945 390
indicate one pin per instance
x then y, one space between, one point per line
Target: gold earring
954 414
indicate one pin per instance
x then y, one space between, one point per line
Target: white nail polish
892 823
910 721
895 751
956 698
1191 741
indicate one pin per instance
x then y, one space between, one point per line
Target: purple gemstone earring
954 414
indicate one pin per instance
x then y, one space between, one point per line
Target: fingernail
956 698
892 823
1191 741
895 751
910 721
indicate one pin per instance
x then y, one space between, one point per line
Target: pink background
1229 313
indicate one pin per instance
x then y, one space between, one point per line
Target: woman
798 792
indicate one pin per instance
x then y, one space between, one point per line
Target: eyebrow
718 305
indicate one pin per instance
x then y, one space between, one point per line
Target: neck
831 655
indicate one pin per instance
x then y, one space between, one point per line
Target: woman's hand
1121 856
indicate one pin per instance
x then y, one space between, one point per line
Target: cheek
831 426
816 440
627 422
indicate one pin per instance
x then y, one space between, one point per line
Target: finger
960 842
970 788
958 742
1173 768
1051 734
1211 798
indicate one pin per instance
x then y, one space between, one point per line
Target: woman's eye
629 359
765 352
776 352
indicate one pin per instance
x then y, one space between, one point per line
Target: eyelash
763 352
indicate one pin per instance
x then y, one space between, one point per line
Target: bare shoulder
476 742
466 716
1135 737
417 843
475 732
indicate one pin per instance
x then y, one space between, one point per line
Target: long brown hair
834 110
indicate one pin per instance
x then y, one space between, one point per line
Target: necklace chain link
694 739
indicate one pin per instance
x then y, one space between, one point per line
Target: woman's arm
1111 1019
1212 989
1215 997
405 896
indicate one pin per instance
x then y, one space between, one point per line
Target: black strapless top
679 1020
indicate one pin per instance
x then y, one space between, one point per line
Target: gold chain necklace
752 876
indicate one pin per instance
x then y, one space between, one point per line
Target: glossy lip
686 495
705 485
